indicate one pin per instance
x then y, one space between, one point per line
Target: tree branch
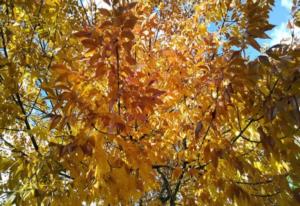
32 138
245 128
174 194
18 100
166 186
85 12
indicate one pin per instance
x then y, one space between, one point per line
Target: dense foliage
147 103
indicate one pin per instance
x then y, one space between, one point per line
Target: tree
147 103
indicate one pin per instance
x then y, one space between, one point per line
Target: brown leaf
86 34
131 5
89 43
105 24
55 120
127 34
198 129
264 60
87 148
127 46
114 2
268 27
254 43
104 12
107 2
259 34
100 70
267 141
67 149
130 60
129 23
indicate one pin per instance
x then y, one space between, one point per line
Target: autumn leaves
144 103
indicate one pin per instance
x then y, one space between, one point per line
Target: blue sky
281 12
279 17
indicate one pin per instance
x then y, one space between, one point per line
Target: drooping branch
255 183
118 79
177 186
252 120
19 101
85 12
166 187
266 195
32 138
4 43
14 149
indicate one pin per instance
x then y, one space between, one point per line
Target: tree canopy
149 102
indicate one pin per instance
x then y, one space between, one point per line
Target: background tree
139 103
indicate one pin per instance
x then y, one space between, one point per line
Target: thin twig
86 14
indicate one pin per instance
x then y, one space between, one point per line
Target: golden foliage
141 103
